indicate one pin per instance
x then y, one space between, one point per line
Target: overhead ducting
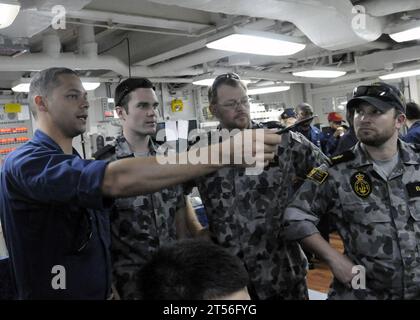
351 28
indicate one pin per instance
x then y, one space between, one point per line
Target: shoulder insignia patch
344 157
317 175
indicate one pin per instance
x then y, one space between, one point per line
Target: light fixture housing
270 89
8 13
406 35
320 73
257 42
400 74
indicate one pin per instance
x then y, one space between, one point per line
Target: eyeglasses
381 92
234 104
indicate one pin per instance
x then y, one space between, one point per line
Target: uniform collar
44 139
254 125
122 148
406 153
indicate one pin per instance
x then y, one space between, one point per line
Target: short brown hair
230 79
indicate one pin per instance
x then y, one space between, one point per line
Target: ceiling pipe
351 28
379 8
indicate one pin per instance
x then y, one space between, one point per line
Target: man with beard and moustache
372 192
244 211
141 224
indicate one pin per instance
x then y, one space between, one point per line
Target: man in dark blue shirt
53 203
312 133
413 123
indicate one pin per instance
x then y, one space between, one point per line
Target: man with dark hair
163 216
372 194
244 211
53 204
312 133
194 270
412 123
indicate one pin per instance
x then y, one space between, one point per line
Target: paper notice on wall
183 129
171 131
24 113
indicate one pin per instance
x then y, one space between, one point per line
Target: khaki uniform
377 218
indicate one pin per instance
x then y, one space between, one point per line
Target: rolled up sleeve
59 178
303 213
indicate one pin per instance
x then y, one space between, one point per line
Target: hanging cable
128 52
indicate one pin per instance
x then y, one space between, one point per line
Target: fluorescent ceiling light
208 82
204 82
8 13
402 74
407 35
21 87
90 85
268 90
319 73
257 42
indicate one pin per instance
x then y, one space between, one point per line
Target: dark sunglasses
220 79
378 91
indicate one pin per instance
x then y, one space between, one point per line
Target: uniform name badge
361 184
318 175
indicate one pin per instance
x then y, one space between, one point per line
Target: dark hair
230 79
412 111
192 270
44 82
123 90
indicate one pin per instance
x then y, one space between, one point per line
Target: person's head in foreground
194 270
378 112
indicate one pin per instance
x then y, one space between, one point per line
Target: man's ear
120 112
213 110
40 103
400 121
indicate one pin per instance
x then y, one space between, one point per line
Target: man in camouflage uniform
372 192
244 211
140 225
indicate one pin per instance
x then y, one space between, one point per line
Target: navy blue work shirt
54 214
413 134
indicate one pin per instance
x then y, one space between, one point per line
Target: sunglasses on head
222 78
378 91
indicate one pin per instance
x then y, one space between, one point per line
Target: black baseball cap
128 85
381 95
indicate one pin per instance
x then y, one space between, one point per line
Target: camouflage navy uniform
244 214
139 225
377 218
